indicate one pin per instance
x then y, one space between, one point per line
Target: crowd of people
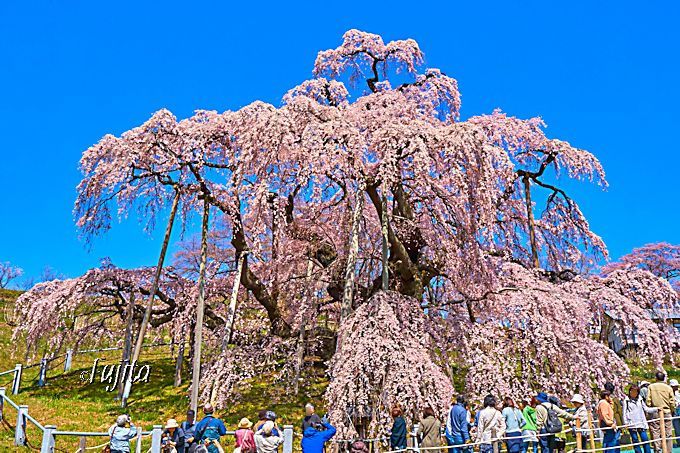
543 422
204 436
538 422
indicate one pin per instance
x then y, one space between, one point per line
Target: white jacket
267 444
490 425
635 413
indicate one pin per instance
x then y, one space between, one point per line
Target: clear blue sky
603 75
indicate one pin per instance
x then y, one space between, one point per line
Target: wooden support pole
350 269
231 313
82 444
385 245
302 339
591 431
200 308
579 437
180 359
159 267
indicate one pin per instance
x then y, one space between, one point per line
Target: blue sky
603 75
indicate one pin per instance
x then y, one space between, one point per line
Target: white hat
673 383
172 423
643 383
577 398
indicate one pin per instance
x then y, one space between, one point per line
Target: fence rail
50 433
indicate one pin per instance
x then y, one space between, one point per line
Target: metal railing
50 432
44 364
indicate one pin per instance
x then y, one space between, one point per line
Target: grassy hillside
72 404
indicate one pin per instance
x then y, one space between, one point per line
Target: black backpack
553 424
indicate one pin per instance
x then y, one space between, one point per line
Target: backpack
553 424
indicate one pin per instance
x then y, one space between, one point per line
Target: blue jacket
210 428
398 435
457 424
313 440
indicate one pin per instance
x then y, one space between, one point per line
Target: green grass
74 405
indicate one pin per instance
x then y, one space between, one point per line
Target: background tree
8 272
661 259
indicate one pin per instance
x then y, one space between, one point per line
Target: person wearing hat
209 430
245 438
676 421
265 439
661 397
644 390
264 416
172 440
547 440
581 413
635 412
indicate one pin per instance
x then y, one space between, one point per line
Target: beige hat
245 423
673 383
172 423
577 398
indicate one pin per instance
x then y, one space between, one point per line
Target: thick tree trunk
200 308
127 347
157 276
350 270
231 314
530 221
301 345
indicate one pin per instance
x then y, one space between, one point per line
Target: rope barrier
569 430
93 448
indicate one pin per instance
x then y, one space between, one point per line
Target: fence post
288 439
664 445
591 431
579 438
20 430
82 444
42 376
17 379
47 445
138 447
416 447
68 360
2 401
156 434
